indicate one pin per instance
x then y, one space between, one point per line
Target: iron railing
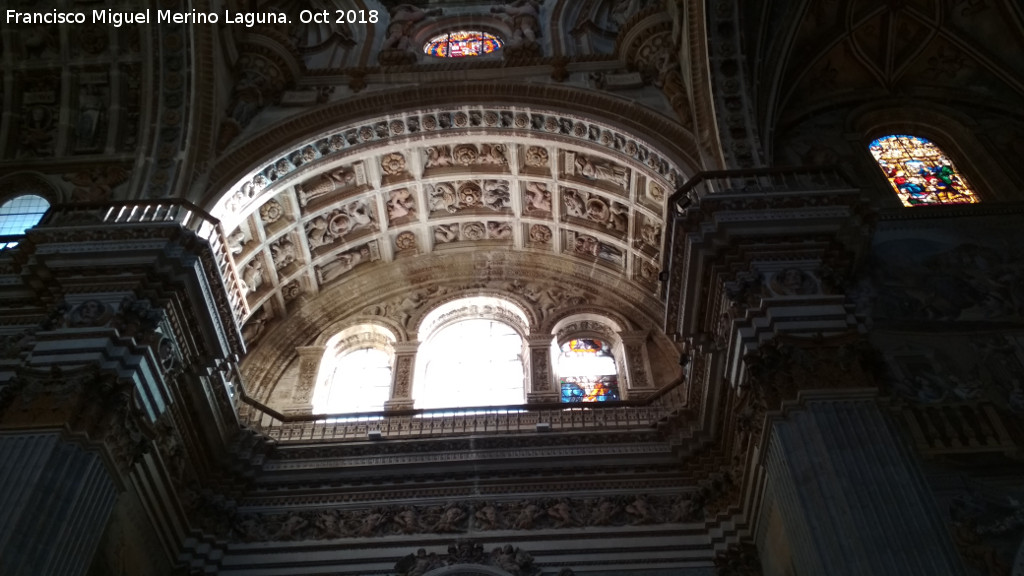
424 423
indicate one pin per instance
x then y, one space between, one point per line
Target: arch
920 172
960 138
463 43
24 199
355 371
471 354
249 169
588 358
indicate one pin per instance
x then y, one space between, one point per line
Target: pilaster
401 376
541 385
55 503
849 495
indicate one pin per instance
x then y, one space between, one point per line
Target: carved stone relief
589 246
596 170
341 179
405 242
609 215
40 115
271 211
499 231
540 235
473 231
455 197
446 233
536 157
253 276
346 261
401 206
460 517
537 200
355 219
793 282
393 165
284 252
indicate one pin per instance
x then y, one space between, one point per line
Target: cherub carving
283 253
401 203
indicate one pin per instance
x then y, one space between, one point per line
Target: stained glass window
586 371
462 43
19 214
920 173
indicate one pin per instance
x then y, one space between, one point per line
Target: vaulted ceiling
809 56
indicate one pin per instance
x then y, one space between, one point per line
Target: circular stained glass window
463 44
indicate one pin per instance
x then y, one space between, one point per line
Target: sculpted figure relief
596 169
446 233
283 252
524 18
342 264
252 276
327 229
404 18
401 203
538 198
499 230
496 195
327 182
439 157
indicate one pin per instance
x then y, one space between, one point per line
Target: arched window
586 371
471 355
920 172
19 214
355 373
462 44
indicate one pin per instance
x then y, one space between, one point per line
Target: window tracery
920 172
462 44
20 213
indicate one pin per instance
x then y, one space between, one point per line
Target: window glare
360 382
21 213
472 363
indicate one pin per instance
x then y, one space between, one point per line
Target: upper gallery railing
419 423
181 213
